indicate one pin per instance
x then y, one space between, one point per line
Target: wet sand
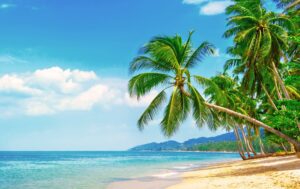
266 173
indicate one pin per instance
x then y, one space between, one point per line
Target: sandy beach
266 173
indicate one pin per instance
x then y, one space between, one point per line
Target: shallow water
94 170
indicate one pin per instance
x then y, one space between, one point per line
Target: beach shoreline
271 172
163 179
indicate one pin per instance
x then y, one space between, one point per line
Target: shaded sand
266 173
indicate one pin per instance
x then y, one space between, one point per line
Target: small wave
164 175
183 167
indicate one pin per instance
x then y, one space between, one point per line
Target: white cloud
86 100
133 102
15 84
66 81
194 2
6 6
53 90
209 7
213 8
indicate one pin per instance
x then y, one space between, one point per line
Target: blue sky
64 69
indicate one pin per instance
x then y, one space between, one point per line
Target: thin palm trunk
278 78
277 89
284 148
280 98
246 142
249 140
269 97
239 143
293 149
257 123
261 144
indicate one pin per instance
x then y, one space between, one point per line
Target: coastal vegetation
259 87
228 146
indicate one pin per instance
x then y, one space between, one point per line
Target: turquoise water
93 170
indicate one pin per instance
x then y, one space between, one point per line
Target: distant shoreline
184 151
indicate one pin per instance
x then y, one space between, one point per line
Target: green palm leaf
144 62
200 113
173 114
205 49
151 110
142 83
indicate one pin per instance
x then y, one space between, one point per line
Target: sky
64 69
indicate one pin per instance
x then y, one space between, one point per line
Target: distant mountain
174 145
220 138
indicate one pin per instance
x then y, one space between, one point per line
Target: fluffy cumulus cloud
213 8
53 90
210 7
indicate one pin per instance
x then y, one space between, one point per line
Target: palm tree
224 91
170 60
260 39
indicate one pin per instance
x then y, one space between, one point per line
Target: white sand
266 173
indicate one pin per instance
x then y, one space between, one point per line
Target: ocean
94 170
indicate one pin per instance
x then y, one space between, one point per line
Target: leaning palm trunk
269 97
280 98
239 143
284 148
261 144
250 140
257 123
278 78
248 148
277 89
292 148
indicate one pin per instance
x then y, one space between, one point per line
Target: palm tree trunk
269 97
250 140
239 143
278 78
246 142
280 98
261 144
277 89
248 148
284 148
293 150
257 123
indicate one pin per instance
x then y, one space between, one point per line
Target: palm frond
173 114
143 83
200 112
151 110
205 49
144 62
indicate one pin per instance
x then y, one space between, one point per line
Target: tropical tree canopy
260 40
169 60
263 92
